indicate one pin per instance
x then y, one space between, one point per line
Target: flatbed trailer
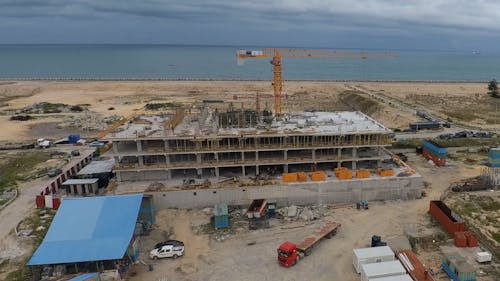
289 253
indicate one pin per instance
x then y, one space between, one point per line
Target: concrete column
167 159
243 156
257 170
139 145
243 170
285 168
354 152
117 160
285 153
198 158
379 163
199 172
353 165
115 147
314 154
216 157
169 174
118 176
257 155
141 160
79 188
217 172
339 153
339 164
166 144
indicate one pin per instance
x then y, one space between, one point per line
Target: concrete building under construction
206 142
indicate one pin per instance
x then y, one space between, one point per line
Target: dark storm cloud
233 21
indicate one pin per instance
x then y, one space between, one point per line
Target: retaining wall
328 192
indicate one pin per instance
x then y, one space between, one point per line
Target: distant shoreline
235 80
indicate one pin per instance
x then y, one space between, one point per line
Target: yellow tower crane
278 53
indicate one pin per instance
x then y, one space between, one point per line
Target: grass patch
357 101
461 115
496 236
18 168
409 143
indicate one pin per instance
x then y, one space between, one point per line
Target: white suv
167 251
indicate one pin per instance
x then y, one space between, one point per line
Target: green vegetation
48 107
462 115
160 106
496 236
357 101
493 89
19 167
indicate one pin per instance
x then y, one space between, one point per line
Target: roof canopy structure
89 229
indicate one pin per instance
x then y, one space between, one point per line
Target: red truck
289 253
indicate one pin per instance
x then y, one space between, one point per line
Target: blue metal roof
89 229
83 277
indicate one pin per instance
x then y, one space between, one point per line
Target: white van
167 251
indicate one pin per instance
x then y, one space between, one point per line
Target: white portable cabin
371 255
371 271
405 277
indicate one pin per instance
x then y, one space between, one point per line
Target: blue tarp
83 277
89 229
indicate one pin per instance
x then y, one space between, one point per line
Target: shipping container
381 269
413 265
494 157
415 126
40 201
371 255
221 216
460 239
450 221
405 277
434 148
458 269
437 160
471 239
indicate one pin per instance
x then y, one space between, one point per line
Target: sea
175 62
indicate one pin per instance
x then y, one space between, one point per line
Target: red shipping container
471 239
446 217
437 161
56 202
460 239
40 201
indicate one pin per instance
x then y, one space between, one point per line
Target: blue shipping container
434 148
221 221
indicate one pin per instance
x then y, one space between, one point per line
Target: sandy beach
464 102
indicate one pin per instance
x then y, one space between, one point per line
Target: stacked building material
413 265
458 268
343 173
301 176
371 271
221 216
433 151
385 172
289 177
318 176
446 217
362 174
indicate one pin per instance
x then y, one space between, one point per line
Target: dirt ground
251 255
457 100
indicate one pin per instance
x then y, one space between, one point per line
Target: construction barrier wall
450 221
324 192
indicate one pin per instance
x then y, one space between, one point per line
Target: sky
368 24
